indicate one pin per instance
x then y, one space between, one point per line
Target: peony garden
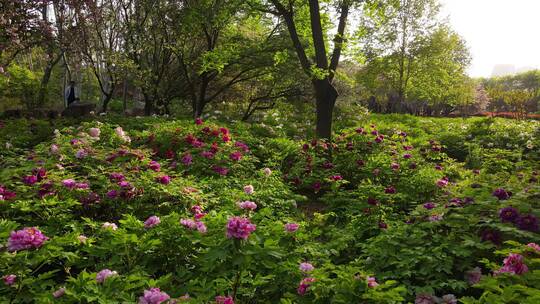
158 210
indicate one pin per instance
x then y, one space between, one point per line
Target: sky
497 32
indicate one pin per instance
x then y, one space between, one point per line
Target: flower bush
151 210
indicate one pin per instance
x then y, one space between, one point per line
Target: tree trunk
148 105
45 79
325 96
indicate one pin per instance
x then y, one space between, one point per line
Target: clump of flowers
108 225
193 225
474 276
27 238
152 222
249 189
5 194
59 292
291 227
502 194
224 300
153 296
513 264
306 267
247 205
509 214
9 279
239 228
372 282
304 285
104 274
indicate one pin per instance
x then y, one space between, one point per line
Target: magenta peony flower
69 183
239 228
291 227
116 177
104 274
407 156
30 180
249 189
153 296
509 214
443 182
372 282
493 236
236 156
336 178
220 170
112 194
154 166
429 205
94 132
27 238
9 279
152 221
474 276
6 194
198 121
306 267
304 285
207 154
224 300
435 218
82 186
247 205
372 201
187 159
513 264
394 166
193 225
390 190
164 179
59 293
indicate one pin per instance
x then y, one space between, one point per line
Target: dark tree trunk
325 96
148 105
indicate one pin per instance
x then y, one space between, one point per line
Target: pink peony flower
224 300
59 293
372 282
239 228
27 238
9 279
249 189
82 186
94 132
513 264
534 246
152 221
82 238
104 274
54 149
247 205
108 225
193 225
220 170
443 182
306 267
291 227
81 153
153 296
304 285
112 194
267 171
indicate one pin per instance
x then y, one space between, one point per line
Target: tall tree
321 69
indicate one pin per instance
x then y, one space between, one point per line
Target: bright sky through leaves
497 32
